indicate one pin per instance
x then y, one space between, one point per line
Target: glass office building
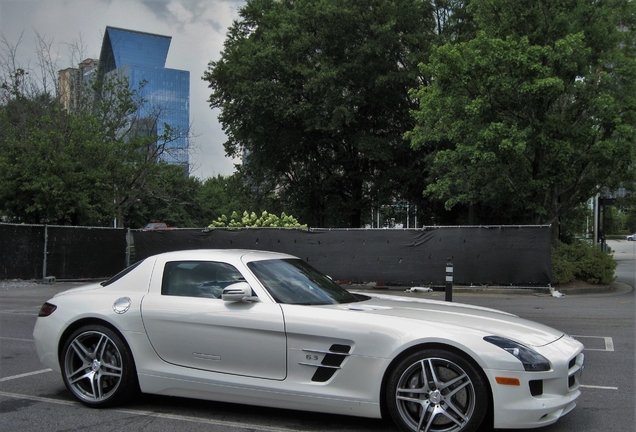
141 57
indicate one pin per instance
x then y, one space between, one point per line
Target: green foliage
50 165
582 261
169 196
222 194
520 112
86 166
576 223
314 94
537 112
251 220
631 221
130 146
627 208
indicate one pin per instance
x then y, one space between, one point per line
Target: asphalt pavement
33 398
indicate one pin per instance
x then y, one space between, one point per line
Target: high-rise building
74 83
141 58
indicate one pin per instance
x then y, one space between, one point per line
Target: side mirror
240 291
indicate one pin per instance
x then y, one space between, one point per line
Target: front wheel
97 367
435 390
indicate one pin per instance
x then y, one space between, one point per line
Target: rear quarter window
121 274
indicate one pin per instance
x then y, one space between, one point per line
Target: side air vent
330 363
323 374
333 360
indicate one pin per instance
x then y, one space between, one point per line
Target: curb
595 289
598 289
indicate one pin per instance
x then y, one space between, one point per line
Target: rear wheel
97 367
435 390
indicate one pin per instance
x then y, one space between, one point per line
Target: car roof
224 254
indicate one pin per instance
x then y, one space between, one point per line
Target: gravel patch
16 283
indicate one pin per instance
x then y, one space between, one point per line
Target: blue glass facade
142 57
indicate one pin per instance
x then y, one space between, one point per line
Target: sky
197 27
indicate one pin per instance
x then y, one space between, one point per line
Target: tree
222 195
536 113
86 166
49 169
169 197
453 21
130 147
314 97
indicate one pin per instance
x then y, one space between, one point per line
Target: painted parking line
37 398
152 414
599 387
27 312
609 347
608 342
28 374
16 339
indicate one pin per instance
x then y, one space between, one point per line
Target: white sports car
267 329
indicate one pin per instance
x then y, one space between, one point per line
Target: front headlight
532 361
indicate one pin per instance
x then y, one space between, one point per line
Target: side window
198 278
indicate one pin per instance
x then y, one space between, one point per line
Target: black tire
434 390
98 368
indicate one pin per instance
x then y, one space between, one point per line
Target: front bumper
540 399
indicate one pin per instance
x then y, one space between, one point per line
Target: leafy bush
251 220
583 261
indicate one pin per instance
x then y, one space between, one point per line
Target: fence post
128 248
449 279
46 240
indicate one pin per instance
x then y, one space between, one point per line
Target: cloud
197 28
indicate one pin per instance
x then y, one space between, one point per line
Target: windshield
293 281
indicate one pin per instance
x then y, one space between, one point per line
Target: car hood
488 321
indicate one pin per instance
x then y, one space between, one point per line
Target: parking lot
34 398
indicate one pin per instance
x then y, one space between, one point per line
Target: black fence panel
502 255
21 251
37 251
481 255
85 253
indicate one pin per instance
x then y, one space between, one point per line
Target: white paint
609 342
189 419
25 375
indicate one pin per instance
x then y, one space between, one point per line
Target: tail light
47 309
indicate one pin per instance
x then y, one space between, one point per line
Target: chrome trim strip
326 352
319 365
